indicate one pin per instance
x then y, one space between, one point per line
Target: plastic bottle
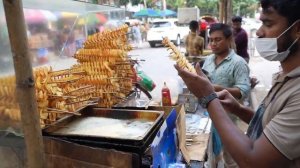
166 96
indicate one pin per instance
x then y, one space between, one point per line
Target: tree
175 4
211 7
245 7
123 2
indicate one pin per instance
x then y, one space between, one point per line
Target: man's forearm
236 142
244 113
235 92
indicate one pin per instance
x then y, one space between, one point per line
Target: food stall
75 87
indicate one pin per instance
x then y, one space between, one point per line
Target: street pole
145 4
24 83
164 5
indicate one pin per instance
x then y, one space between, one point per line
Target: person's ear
296 29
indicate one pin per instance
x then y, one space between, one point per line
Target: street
159 67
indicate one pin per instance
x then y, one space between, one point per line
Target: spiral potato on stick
177 56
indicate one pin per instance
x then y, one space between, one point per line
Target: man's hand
198 83
218 87
229 103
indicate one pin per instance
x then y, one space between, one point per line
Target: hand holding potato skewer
177 56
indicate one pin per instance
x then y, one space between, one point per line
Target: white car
166 28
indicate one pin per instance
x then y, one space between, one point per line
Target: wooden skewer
79 72
68 103
70 97
80 108
109 92
52 110
131 55
129 63
53 125
65 81
91 104
122 98
85 87
121 62
63 70
85 94
119 78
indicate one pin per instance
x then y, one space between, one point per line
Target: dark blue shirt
241 42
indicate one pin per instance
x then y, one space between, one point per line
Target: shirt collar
229 56
277 77
193 33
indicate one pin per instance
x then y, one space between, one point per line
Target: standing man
240 38
194 43
273 136
137 34
226 70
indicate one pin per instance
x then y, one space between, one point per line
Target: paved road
160 68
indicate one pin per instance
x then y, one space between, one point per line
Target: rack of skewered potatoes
57 94
109 39
103 76
105 60
66 94
9 108
176 55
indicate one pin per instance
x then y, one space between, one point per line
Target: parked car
160 28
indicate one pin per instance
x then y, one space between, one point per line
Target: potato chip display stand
17 136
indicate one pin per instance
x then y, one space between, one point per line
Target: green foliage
123 2
136 2
245 7
174 4
210 7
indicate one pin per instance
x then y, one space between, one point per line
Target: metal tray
119 124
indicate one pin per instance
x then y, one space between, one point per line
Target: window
160 24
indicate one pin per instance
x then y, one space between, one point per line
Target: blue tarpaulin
147 13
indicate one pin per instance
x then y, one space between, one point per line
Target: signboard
186 15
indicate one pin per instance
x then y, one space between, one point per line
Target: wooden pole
229 11
221 11
25 83
225 11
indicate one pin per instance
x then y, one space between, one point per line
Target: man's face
218 42
273 25
236 25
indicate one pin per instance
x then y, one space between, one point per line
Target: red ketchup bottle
166 96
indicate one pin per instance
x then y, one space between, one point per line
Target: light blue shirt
232 72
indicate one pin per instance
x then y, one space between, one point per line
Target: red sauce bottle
166 96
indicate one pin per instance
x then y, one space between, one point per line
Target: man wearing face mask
273 136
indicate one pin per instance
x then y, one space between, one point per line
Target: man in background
194 43
228 71
240 38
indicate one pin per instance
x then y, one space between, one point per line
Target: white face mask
267 47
